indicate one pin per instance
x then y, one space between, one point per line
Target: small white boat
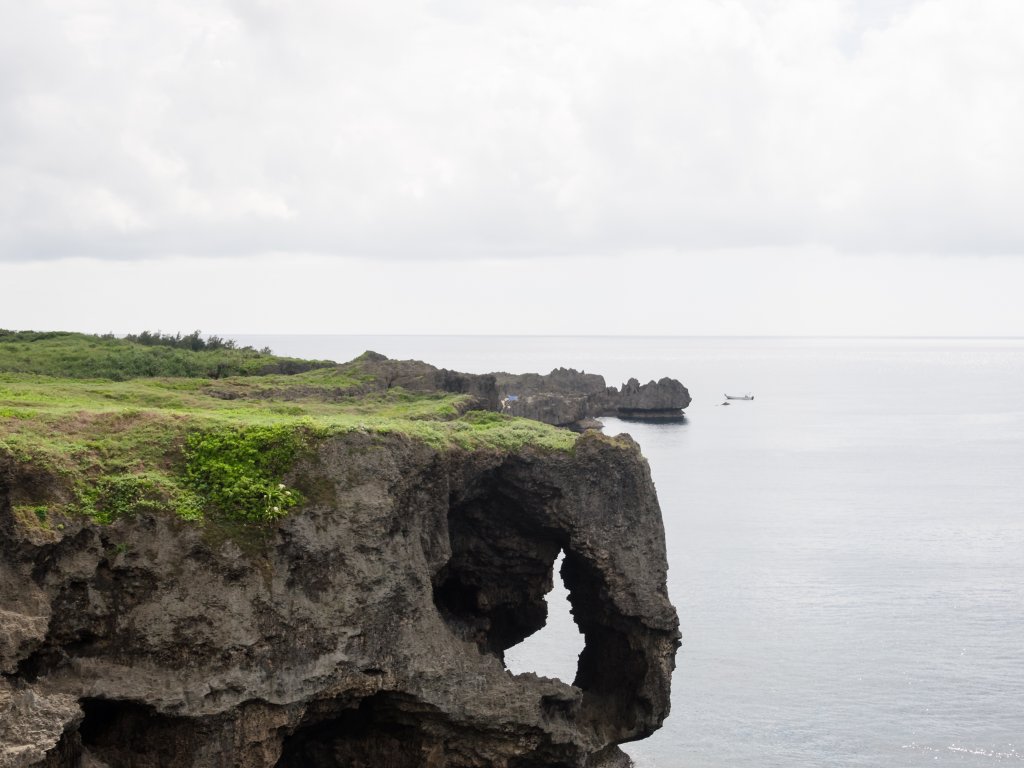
747 396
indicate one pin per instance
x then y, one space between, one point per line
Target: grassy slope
81 356
201 448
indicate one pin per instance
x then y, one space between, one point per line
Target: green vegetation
112 497
213 450
193 341
237 470
82 356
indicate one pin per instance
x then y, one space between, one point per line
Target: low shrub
238 472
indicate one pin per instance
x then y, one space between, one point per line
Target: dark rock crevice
386 730
492 590
395 730
130 733
613 666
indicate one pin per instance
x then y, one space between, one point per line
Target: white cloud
459 129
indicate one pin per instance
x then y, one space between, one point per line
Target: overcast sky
557 166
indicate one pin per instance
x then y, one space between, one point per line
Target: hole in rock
126 733
386 730
491 591
554 650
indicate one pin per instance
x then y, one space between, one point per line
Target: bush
238 472
113 497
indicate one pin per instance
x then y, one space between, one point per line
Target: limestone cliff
566 397
364 629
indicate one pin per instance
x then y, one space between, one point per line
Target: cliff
364 623
570 398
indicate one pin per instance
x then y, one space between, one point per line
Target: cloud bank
461 130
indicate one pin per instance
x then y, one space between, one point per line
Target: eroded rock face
366 629
570 398
416 376
652 399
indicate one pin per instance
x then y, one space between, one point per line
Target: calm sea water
846 551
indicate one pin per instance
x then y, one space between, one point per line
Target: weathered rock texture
366 629
416 376
566 397
378 373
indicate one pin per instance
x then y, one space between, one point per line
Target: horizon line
639 336
869 337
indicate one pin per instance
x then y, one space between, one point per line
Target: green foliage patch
84 356
216 452
15 413
113 497
239 472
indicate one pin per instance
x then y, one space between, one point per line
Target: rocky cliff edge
365 628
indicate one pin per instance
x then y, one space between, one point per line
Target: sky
776 167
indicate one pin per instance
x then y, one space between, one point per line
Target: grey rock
34 725
367 628
663 395
570 398
417 376
377 373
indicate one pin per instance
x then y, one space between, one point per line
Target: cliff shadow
492 590
386 730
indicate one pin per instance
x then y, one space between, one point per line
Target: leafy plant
113 497
239 471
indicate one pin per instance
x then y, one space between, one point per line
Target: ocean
846 550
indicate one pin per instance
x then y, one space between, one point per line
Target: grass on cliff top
84 356
209 449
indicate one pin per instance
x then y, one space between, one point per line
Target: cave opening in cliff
492 589
553 650
119 732
507 539
387 729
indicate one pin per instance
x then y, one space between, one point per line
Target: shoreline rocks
569 398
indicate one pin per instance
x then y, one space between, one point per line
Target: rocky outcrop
383 373
366 629
373 373
570 398
564 397
37 729
655 399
